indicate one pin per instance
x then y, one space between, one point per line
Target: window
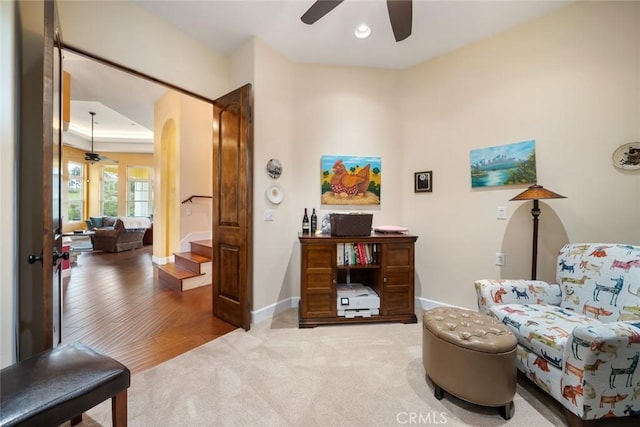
140 195
75 191
110 190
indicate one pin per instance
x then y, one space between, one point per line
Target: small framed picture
423 182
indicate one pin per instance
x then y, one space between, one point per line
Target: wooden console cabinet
391 275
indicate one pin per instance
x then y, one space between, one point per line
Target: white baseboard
268 312
162 260
427 304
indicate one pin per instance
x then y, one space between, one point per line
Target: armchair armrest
106 232
493 292
105 239
600 362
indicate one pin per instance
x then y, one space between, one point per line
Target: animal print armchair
579 339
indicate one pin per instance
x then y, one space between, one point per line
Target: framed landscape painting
350 180
504 165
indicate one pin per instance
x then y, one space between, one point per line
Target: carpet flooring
345 375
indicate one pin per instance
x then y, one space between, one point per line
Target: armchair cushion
543 329
95 222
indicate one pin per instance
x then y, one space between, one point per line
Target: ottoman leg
507 410
438 392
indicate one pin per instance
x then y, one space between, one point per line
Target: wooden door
39 182
232 207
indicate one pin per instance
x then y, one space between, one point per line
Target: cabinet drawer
320 257
319 305
321 280
399 255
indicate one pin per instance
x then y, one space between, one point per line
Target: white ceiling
439 26
124 103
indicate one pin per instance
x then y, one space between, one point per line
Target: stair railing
190 199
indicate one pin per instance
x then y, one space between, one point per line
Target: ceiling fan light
362 31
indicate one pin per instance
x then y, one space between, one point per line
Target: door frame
249 176
39 234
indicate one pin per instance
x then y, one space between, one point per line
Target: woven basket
351 224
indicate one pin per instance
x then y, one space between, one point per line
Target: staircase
190 269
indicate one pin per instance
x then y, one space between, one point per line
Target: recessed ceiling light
363 31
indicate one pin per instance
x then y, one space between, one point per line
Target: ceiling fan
92 156
400 15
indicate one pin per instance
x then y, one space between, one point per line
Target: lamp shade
537 192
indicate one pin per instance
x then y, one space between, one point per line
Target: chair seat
543 329
57 385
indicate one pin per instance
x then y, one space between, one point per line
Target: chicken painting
350 180
348 185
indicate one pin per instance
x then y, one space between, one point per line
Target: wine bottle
314 221
305 222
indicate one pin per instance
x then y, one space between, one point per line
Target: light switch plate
268 214
502 212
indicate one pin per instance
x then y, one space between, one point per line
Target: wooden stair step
190 261
202 247
193 256
177 271
171 276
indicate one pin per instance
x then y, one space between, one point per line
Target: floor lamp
535 193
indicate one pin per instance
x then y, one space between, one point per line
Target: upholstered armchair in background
127 233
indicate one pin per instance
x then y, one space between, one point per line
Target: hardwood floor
114 303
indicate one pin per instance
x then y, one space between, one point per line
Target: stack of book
357 254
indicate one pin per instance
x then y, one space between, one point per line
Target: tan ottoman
471 356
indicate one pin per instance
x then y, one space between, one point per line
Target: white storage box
357 300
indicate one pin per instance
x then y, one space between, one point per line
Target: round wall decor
275 194
627 156
274 168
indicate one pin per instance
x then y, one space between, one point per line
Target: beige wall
123 33
274 118
196 156
571 81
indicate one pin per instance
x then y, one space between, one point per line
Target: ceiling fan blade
401 16
318 10
107 159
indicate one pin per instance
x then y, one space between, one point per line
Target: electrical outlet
268 214
499 258
502 212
